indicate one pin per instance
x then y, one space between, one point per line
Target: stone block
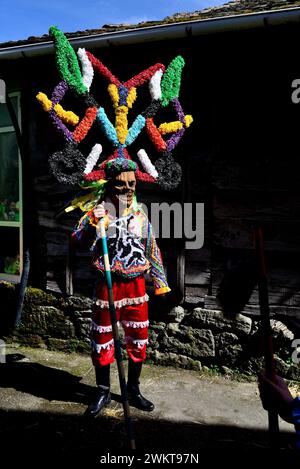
47 321
216 321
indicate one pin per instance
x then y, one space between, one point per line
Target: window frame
15 278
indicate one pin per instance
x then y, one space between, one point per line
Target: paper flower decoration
77 75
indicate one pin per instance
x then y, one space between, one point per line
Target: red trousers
132 312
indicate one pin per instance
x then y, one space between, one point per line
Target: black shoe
102 399
136 399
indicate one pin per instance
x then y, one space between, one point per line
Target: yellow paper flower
122 123
45 101
188 120
114 94
67 116
131 97
169 127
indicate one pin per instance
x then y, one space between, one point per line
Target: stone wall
190 338
198 337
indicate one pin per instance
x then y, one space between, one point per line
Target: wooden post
181 273
267 330
69 269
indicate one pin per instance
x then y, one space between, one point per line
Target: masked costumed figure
131 244
133 252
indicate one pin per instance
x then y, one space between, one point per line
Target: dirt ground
44 394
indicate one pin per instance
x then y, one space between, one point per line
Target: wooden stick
267 330
115 331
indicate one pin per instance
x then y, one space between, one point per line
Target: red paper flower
85 125
154 135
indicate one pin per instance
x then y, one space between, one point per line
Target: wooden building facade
240 157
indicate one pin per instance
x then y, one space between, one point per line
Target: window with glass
10 196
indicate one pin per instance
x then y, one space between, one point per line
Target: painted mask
121 188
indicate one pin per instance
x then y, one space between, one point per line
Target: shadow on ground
43 381
68 434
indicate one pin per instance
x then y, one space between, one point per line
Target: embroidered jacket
131 245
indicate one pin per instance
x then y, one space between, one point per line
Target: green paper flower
67 62
170 84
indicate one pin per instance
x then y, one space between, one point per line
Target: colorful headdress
69 165
118 166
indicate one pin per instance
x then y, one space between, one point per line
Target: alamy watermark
178 221
296 352
178 218
2 92
2 351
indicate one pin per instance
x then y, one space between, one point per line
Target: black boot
134 395
102 396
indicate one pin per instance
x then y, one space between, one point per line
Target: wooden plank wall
240 159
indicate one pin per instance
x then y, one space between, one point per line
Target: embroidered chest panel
125 247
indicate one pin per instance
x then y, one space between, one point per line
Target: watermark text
2 92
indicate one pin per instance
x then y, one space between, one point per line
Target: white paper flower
93 158
87 68
146 163
154 85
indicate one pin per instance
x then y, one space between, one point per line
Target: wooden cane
267 330
115 331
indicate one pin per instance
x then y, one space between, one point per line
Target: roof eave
161 32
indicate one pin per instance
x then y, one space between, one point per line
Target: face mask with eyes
121 189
